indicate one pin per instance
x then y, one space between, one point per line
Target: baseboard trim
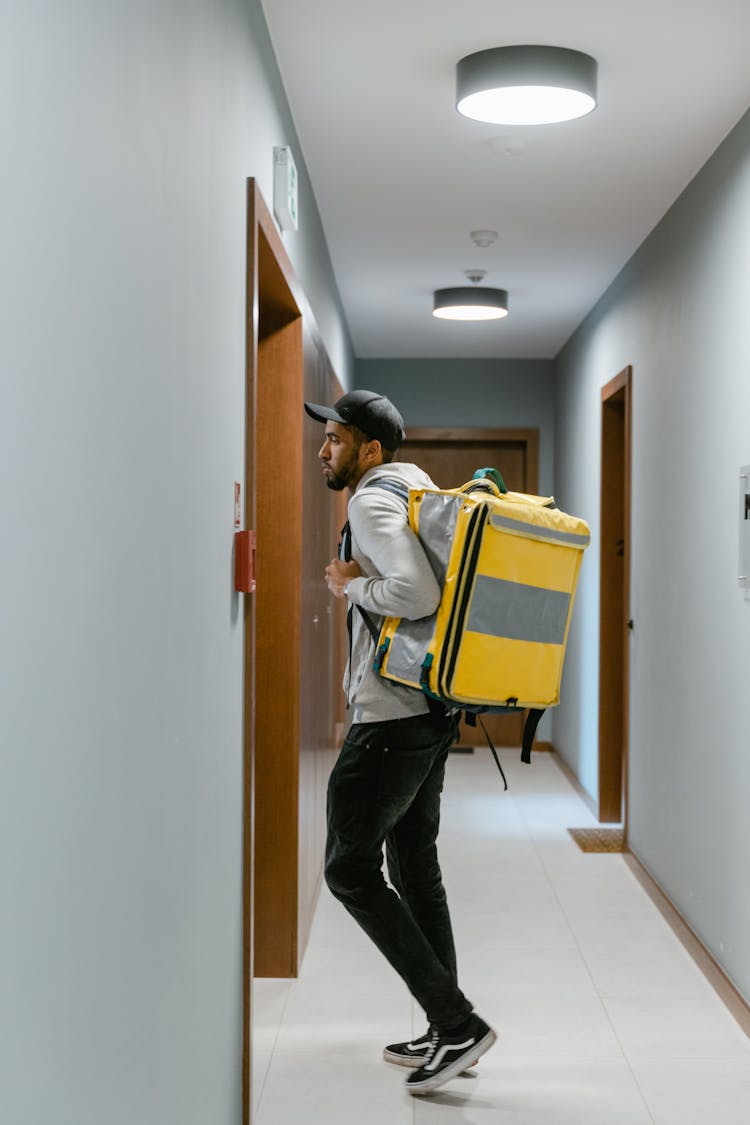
722 985
572 777
545 747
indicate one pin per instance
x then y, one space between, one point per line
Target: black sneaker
412 1054
409 1054
450 1053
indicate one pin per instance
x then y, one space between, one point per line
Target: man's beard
346 475
339 481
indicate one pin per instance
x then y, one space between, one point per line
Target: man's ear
372 451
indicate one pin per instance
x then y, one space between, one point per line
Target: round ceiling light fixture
526 85
483 238
470 303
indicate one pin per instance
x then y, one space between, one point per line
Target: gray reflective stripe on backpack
519 612
533 531
438 514
437 525
407 649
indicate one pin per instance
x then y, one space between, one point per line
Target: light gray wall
678 313
129 130
471 392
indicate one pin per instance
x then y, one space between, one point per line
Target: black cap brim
324 413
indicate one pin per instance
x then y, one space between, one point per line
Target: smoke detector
483 238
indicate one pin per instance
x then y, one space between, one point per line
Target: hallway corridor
602 1016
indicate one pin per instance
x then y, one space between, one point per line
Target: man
385 787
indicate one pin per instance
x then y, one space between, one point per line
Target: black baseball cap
373 414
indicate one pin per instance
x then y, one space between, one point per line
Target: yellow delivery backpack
507 564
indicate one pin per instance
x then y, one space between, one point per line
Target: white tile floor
602 1017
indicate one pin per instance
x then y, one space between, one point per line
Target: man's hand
338 573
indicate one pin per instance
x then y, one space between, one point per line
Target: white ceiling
401 178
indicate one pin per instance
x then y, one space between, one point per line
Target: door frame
614 586
269 272
284 351
248 673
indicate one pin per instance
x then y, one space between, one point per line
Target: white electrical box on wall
745 526
285 188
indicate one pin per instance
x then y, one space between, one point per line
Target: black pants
386 787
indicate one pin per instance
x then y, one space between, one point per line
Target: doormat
599 839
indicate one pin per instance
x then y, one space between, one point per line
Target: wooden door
614 623
451 457
452 463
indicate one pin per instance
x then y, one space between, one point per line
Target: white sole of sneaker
401 1060
427 1085
414 1064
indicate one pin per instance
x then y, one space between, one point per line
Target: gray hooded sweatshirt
397 580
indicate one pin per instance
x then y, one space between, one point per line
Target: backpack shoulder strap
345 547
529 730
389 485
